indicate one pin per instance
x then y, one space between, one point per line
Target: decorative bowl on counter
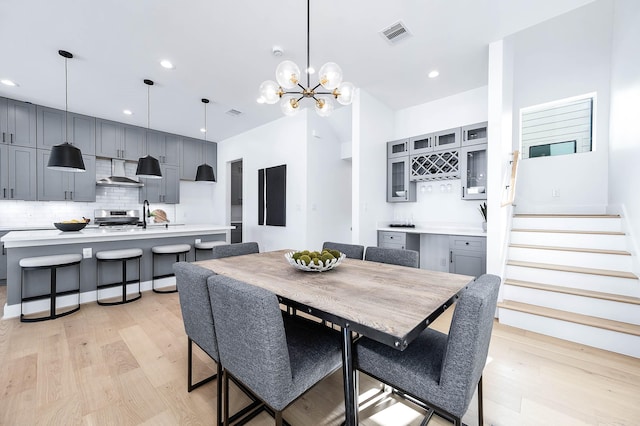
70 226
295 260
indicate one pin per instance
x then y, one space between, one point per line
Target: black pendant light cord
66 102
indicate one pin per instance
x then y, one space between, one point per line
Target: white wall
373 126
560 58
283 141
624 146
329 185
197 202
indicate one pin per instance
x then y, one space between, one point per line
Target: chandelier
289 91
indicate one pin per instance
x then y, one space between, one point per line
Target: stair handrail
510 189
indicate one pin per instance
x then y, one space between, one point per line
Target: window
557 128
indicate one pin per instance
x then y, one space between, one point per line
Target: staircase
569 276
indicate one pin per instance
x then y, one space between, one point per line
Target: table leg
350 377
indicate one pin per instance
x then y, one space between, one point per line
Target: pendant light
289 90
205 171
148 166
66 157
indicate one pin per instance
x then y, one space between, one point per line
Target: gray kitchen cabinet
164 147
421 144
467 255
54 185
474 134
3 260
194 152
17 173
447 139
17 123
164 190
399 187
81 130
399 240
399 148
473 166
191 156
118 140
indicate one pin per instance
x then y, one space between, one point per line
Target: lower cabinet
3 260
467 255
164 190
399 240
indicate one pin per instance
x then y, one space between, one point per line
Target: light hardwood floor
126 365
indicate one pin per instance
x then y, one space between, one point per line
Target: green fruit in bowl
305 259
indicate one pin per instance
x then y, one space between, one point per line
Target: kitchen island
22 244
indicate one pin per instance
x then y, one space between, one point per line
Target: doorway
236 201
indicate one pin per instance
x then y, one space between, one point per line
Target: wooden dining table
388 303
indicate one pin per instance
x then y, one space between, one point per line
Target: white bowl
313 267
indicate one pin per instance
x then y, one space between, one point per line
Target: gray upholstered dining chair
441 371
238 249
195 305
352 251
278 357
400 257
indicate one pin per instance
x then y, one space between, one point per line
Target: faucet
144 213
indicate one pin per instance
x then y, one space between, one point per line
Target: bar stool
206 245
175 249
123 256
52 263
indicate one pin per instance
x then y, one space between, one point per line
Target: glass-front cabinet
399 189
474 172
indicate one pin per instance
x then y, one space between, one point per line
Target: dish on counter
70 226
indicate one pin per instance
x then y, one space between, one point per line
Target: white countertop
437 229
95 234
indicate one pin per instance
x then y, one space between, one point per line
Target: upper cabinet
17 123
436 141
164 190
17 173
399 148
80 129
54 185
474 134
163 146
195 152
117 140
399 187
458 153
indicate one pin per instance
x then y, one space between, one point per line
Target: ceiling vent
233 112
395 33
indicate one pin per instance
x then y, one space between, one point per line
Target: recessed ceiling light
8 82
311 70
166 64
203 130
127 112
434 74
260 100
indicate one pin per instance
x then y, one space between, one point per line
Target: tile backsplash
44 213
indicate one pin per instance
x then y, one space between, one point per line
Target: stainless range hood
118 177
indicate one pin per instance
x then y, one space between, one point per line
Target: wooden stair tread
567 231
576 269
575 291
606 324
589 216
576 249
